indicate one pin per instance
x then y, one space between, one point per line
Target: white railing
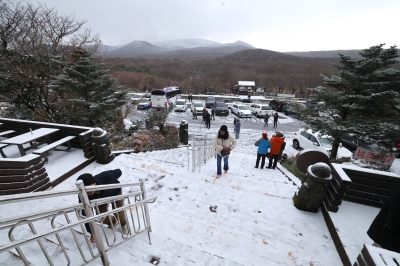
200 150
67 223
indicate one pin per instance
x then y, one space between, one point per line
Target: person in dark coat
213 113
207 118
266 120
105 178
385 229
275 120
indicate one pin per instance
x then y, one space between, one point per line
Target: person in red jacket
276 142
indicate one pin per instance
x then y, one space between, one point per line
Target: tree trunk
335 147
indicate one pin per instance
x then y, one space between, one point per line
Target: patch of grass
291 167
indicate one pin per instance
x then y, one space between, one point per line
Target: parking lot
285 123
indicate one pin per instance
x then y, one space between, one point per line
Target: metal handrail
65 227
202 148
140 204
5 223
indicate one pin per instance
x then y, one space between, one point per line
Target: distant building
244 88
260 91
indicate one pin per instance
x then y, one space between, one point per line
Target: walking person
237 128
194 113
105 178
263 146
276 142
213 113
224 143
266 120
275 120
234 124
207 119
190 97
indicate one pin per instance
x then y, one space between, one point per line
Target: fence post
89 213
143 189
193 153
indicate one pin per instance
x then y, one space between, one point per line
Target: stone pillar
183 132
313 190
101 146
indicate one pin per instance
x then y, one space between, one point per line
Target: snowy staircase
190 236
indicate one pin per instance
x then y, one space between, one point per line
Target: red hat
264 134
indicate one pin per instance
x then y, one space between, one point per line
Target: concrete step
194 239
35 255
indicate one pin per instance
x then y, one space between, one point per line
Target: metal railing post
193 154
96 232
142 188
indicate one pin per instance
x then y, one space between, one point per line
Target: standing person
194 113
276 142
234 124
190 97
223 142
275 120
105 178
263 145
282 148
237 129
385 229
266 120
207 119
213 113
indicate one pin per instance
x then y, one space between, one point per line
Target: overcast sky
286 25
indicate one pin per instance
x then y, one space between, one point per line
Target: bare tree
34 40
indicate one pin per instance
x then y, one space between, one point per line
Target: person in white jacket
224 143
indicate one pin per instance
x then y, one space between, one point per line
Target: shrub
291 167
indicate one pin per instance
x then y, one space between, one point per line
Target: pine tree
363 99
88 94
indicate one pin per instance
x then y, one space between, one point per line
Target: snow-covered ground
246 217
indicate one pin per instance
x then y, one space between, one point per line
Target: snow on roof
246 83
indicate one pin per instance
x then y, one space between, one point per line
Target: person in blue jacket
263 146
105 178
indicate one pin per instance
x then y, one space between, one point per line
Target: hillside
327 54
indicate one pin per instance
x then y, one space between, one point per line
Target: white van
181 105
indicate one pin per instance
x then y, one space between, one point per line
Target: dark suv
351 142
221 109
277 105
210 102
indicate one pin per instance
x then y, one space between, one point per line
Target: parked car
261 109
221 109
210 102
136 98
351 142
241 110
147 96
277 105
143 104
199 107
181 105
246 102
311 105
229 103
307 139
